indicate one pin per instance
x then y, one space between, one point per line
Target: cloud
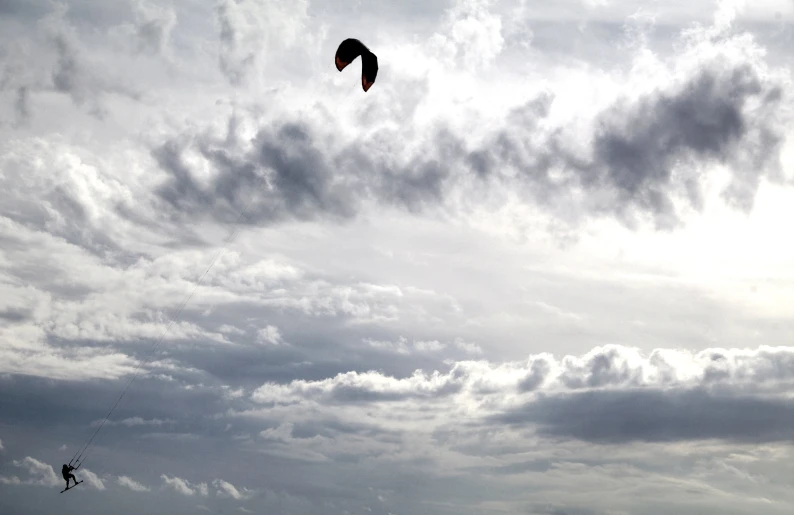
334 343
17 77
1 445
251 32
92 479
74 74
22 103
402 346
226 489
133 421
658 416
471 36
153 26
29 354
132 484
364 387
39 473
643 155
468 347
637 150
611 394
293 178
290 173
648 152
270 335
183 487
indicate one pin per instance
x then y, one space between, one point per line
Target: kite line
347 51
82 452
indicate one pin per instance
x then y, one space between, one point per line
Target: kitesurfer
66 472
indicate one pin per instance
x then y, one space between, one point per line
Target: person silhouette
66 472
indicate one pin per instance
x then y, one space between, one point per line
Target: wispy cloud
92 479
521 261
39 473
226 489
183 487
133 422
133 485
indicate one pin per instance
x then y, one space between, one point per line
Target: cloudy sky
543 266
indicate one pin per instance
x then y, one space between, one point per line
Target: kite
348 50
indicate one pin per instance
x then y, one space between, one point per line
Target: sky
542 266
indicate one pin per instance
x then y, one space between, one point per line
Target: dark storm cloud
615 417
301 180
292 178
648 153
637 151
644 156
539 370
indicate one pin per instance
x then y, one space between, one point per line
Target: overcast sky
544 265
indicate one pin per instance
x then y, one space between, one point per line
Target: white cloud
440 267
92 479
75 73
468 347
226 328
133 422
132 484
270 335
153 26
403 346
39 474
177 484
252 32
473 35
226 489
530 392
183 487
203 489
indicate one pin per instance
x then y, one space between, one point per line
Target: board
70 487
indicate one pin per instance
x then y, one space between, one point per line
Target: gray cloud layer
313 373
645 156
659 416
